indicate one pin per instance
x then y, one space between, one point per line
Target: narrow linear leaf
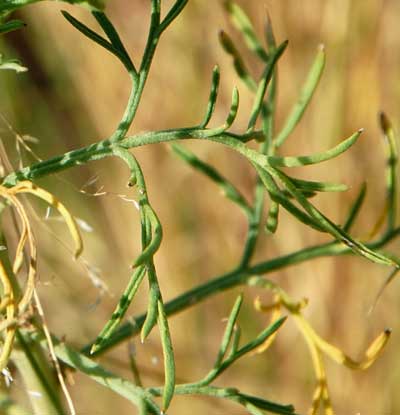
391 173
243 24
269 34
328 225
229 119
306 94
229 190
233 110
11 25
268 405
355 208
310 186
298 161
89 32
238 63
148 253
259 339
262 86
212 97
113 36
237 333
279 197
120 310
169 360
125 60
102 376
230 326
173 13
152 305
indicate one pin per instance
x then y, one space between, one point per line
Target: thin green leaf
328 225
114 38
230 118
237 333
11 25
391 173
243 24
278 196
230 326
310 186
148 253
152 304
212 97
269 34
268 405
257 341
89 32
7 6
306 94
98 39
233 110
121 309
262 86
173 13
238 62
94 371
169 360
229 190
298 161
355 208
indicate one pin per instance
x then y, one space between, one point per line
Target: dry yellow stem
317 345
8 295
29 187
7 302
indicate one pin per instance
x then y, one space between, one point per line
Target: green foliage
283 191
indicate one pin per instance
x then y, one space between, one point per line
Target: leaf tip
95 347
384 122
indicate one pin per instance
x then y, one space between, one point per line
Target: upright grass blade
243 24
306 94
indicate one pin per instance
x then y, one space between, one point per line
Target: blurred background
75 93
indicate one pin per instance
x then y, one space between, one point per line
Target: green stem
235 278
37 376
